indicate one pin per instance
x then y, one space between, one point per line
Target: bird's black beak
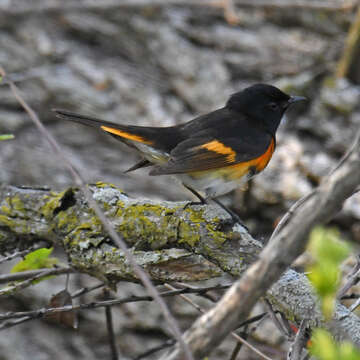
295 99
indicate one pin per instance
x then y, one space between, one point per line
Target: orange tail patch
126 135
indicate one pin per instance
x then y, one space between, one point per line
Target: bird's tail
140 134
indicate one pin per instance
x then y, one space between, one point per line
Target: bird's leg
203 201
194 192
233 215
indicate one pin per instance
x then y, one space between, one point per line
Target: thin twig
283 330
24 284
286 218
19 254
86 290
350 296
79 180
25 275
252 320
93 305
286 325
238 345
353 277
354 305
9 324
299 343
155 349
233 334
110 327
204 292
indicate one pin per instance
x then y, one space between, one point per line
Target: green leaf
7 137
37 259
325 244
328 252
325 348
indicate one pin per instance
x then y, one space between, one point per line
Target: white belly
212 187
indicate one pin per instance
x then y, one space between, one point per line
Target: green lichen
147 224
51 203
5 221
67 220
88 231
6 210
101 184
189 233
14 206
17 204
17 226
218 237
197 217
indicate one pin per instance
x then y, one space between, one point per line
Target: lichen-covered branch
170 242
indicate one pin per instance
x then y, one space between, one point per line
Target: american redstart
213 153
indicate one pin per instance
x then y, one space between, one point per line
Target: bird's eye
273 106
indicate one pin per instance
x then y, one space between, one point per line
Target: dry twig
301 338
233 334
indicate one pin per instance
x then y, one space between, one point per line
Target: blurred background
161 63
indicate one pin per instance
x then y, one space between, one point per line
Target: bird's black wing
210 152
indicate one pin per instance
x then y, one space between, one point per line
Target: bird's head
263 103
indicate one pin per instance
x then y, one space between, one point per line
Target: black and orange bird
213 153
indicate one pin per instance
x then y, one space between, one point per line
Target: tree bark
170 242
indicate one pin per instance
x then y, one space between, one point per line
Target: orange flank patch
258 164
220 148
126 135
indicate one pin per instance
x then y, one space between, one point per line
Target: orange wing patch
220 148
126 135
239 170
